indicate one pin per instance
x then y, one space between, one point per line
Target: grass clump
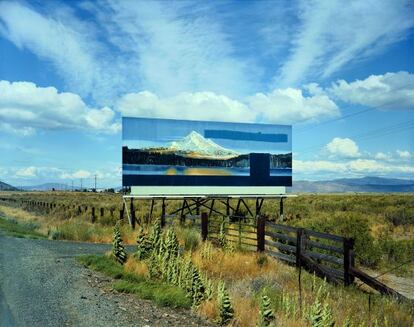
160 293
20 229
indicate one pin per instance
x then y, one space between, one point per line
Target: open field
382 225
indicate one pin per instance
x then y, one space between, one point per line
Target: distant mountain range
46 187
6 187
344 185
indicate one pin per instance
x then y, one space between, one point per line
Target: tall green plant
226 311
118 248
222 235
155 236
143 245
266 315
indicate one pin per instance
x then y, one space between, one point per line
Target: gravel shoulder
41 284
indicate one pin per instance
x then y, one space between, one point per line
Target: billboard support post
281 209
197 207
152 209
163 213
132 214
227 207
204 226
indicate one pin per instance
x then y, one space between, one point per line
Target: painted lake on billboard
162 152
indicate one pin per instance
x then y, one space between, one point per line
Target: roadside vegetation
12 227
232 287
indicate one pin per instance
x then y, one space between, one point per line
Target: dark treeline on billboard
137 156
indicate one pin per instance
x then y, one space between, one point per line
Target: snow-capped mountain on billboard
197 144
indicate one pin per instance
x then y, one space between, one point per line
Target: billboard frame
257 183
202 201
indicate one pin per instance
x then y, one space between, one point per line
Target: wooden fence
93 213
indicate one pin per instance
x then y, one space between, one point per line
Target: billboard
203 157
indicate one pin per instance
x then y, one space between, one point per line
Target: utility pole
81 184
95 183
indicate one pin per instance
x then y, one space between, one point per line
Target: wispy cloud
68 46
176 50
356 167
334 33
129 46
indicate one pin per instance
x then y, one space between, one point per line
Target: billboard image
166 152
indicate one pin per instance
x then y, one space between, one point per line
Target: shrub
261 260
191 238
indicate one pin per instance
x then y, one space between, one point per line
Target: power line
387 130
302 130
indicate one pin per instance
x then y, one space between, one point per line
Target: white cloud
290 105
404 154
352 167
388 91
382 156
343 147
76 175
332 34
201 105
280 106
27 172
25 107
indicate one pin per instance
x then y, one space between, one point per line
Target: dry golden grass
231 266
19 214
136 267
208 309
246 311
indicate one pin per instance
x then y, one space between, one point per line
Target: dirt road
41 284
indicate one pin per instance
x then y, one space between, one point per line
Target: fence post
102 212
204 226
281 211
299 235
163 213
121 212
261 226
93 215
348 244
132 214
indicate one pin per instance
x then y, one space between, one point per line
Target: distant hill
364 184
46 187
7 187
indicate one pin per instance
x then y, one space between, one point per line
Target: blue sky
340 72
